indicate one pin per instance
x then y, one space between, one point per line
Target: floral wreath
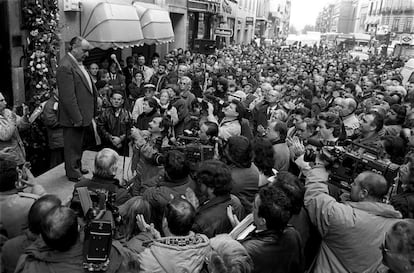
41 19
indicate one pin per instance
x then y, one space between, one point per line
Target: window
407 25
362 21
395 24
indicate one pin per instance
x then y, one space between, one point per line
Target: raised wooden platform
55 181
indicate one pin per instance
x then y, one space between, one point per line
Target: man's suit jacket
77 102
127 74
259 114
118 84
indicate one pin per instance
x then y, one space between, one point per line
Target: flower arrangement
41 19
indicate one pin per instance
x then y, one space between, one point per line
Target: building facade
244 28
201 21
390 22
361 16
262 19
398 16
343 16
339 16
324 20
279 15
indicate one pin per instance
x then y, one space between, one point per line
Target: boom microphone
113 57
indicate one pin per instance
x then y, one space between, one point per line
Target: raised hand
232 217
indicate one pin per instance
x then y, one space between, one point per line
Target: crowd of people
259 202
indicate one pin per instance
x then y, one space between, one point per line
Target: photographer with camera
61 249
230 125
147 147
11 145
351 231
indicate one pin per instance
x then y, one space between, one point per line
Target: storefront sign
197 6
249 21
223 32
406 39
211 6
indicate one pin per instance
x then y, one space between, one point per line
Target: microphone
113 57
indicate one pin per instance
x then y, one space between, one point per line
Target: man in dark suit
129 71
77 96
263 111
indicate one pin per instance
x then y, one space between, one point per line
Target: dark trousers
72 141
56 157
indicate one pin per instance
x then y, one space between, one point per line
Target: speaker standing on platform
77 96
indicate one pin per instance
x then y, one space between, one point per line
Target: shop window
395 24
407 25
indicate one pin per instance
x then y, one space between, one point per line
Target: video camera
195 151
345 163
101 216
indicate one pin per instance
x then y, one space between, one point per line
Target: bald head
79 48
350 103
375 184
39 210
59 228
106 162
